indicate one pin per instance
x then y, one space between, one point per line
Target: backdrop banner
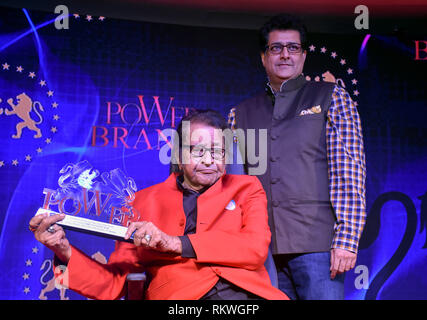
104 90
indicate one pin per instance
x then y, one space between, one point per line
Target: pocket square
231 205
312 110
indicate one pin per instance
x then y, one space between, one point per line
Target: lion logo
51 284
22 110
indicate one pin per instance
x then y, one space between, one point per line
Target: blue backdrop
107 87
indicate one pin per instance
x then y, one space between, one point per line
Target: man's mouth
206 171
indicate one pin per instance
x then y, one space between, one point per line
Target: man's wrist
63 255
175 245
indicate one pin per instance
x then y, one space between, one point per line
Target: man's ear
263 58
175 162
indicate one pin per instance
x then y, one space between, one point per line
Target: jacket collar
287 86
171 183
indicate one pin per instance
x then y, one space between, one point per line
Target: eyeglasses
277 48
199 151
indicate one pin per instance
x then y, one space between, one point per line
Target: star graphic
48 140
19 69
76 15
334 55
5 66
31 75
54 105
56 117
26 290
323 50
42 83
50 93
88 18
27 157
35 250
15 162
1 164
54 129
39 150
312 48
356 92
101 18
26 276
355 103
349 71
354 81
28 263
342 62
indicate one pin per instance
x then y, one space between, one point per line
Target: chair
135 286
136 283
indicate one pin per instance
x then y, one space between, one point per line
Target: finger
133 227
155 240
155 234
335 267
333 274
57 217
138 236
36 220
137 240
353 263
347 263
57 229
48 221
342 266
60 233
53 240
340 262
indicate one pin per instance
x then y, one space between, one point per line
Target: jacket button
274 137
274 180
275 203
274 159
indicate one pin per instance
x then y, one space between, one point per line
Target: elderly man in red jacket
203 234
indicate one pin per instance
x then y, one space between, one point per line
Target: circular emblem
29 114
328 65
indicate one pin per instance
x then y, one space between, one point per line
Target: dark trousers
225 290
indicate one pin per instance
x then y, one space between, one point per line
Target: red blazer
230 242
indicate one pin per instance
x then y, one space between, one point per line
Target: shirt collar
180 185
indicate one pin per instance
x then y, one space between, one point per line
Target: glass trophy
93 203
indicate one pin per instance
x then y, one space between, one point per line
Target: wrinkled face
283 66
202 156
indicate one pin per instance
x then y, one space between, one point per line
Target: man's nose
285 53
207 158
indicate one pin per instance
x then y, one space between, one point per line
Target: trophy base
97 228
